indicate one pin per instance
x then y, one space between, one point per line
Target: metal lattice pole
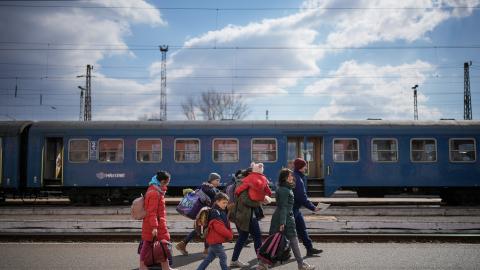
88 95
467 99
163 87
415 106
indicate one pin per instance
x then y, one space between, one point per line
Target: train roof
13 128
286 124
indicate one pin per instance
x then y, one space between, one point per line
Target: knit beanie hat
257 167
299 163
213 176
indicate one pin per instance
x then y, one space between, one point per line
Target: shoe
261 266
313 251
306 266
182 247
205 253
240 264
248 242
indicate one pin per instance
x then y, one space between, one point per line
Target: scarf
154 181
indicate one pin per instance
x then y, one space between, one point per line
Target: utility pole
467 99
415 107
266 115
86 96
163 86
82 103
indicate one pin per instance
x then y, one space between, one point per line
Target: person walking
209 190
154 224
282 218
219 232
301 199
246 214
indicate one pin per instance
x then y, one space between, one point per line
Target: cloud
360 91
56 45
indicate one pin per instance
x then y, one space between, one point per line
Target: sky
300 60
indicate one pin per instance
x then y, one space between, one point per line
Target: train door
310 149
53 162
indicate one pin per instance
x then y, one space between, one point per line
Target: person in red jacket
154 224
219 231
256 183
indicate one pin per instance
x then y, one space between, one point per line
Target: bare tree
216 106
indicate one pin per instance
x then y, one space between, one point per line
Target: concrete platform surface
368 256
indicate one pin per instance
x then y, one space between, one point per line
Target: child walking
154 224
219 231
283 220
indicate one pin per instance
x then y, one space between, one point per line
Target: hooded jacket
219 230
257 185
156 217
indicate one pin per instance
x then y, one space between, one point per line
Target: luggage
161 250
189 206
275 248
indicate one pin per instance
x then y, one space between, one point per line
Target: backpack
137 210
275 248
201 222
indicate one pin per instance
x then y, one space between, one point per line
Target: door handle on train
329 170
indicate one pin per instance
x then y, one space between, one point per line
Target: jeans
243 236
215 250
190 236
302 229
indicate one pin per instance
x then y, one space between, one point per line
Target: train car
13 146
114 160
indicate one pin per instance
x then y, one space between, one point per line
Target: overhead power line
233 47
345 8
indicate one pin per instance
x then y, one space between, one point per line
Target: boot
182 247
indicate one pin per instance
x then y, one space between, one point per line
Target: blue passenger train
100 161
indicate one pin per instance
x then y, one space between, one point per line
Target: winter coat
284 212
209 190
257 185
243 211
300 192
156 217
219 230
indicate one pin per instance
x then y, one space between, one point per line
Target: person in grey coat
282 218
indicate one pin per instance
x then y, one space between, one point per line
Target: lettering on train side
103 175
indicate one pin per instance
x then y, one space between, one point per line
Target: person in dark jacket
246 214
282 218
301 199
209 190
219 232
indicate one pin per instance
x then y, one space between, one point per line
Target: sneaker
182 247
205 253
306 266
313 251
239 264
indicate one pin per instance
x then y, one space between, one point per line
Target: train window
110 150
225 150
345 150
78 150
423 150
149 150
384 150
187 150
462 150
264 150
